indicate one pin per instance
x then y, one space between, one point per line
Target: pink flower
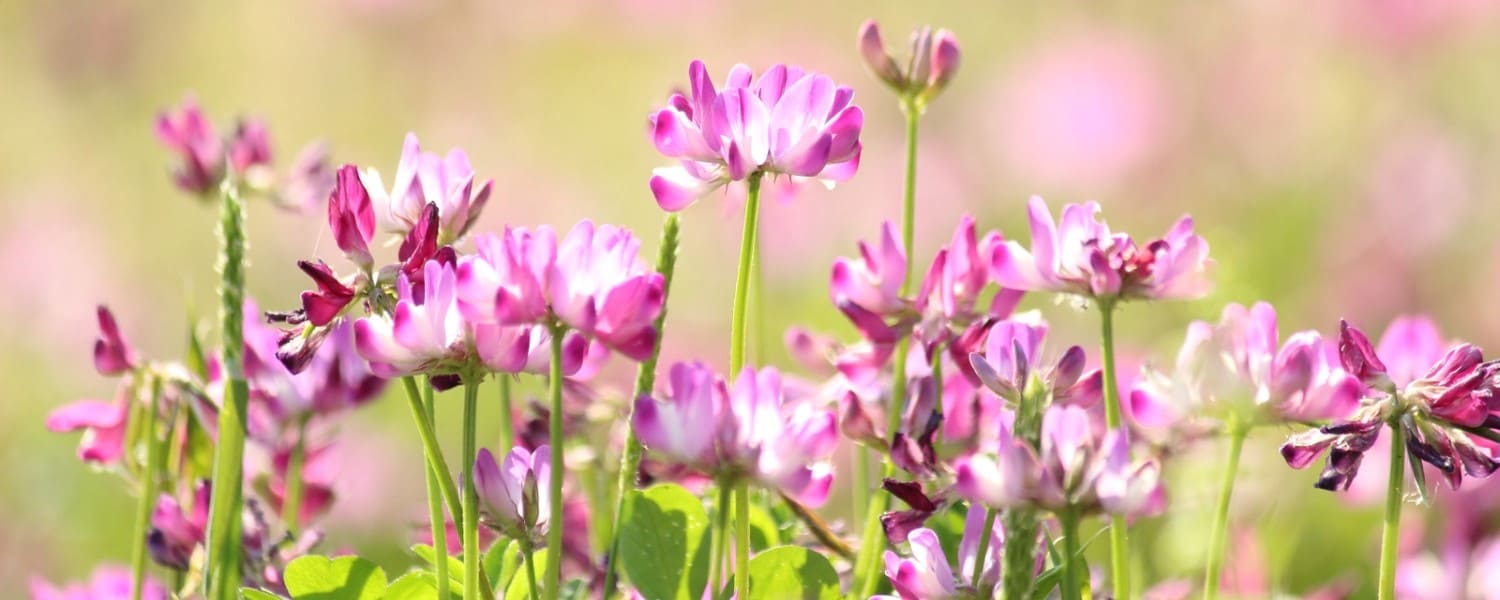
1003 474
600 287
189 134
502 281
933 62
748 429
787 122
250 147
108 583
424 334
926 575
874 281
1082 256
959 274
1013 354
175 533
423 178
103 425
335 378
513 494
351 217
112 354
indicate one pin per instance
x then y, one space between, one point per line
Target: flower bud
872 48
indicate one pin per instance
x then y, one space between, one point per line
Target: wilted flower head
749 430
108 582
424 178
335 378
1433 410
1081 256
786 122
933 62
1240 368
513 493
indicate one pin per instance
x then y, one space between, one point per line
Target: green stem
222 581
867 567
530 559
472 554
291 507
742 540
1018 573
507 425
719 534
1218 534
861 480
645 381
553 579
1069 584
742 281
435 505
1390 536
984 547
148 494
1119 534
433 452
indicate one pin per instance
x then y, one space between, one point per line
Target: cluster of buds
1438 414
932 64
205 158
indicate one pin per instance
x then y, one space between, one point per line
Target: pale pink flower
514 493
599 286
108 582
786 122
424 177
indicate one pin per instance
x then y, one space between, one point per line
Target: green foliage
664 543
764 533
455 565
788 572
520 585
254 594
418 585
344 578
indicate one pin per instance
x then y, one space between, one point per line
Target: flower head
748 429
786 122
424 178
1081 256
175 533
112 354
600 287
189 134
107 583
103 423
873 282
513 493
927 574
1013 355
351 217
933 62
424 334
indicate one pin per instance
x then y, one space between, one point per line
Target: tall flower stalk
736 362
154 460
1390 536
1236 433
1119 533
435 513
472 553
222 581
553 578
645 381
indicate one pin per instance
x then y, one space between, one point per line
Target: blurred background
1339 156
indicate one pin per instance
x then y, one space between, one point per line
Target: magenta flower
1003 474
321 307
424 334
927 574
786 122
959 274
511 492
175 533
1013 353
503 281
112 354
250 147
1238 364
873 282
351 217
1081 256
1434 410
309 178
933 62
747 430
103 424
600 287
107 583
424 178
189 134
335 378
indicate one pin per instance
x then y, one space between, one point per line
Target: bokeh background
1339 156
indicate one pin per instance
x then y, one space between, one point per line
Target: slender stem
472 554
866 567
719 533
553 579
645 381
742 540
861 480
291 507
1019 573
434 452
1391 535
1069 584
984 547
530 559
435 505
148 494
1218 534
222 581
507 425
742 281
1119 534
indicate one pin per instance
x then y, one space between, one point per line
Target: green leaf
455 566
501 561
792 572
520 585
664 543
764 533
345 578
417 585
197 359
254 594
576 589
